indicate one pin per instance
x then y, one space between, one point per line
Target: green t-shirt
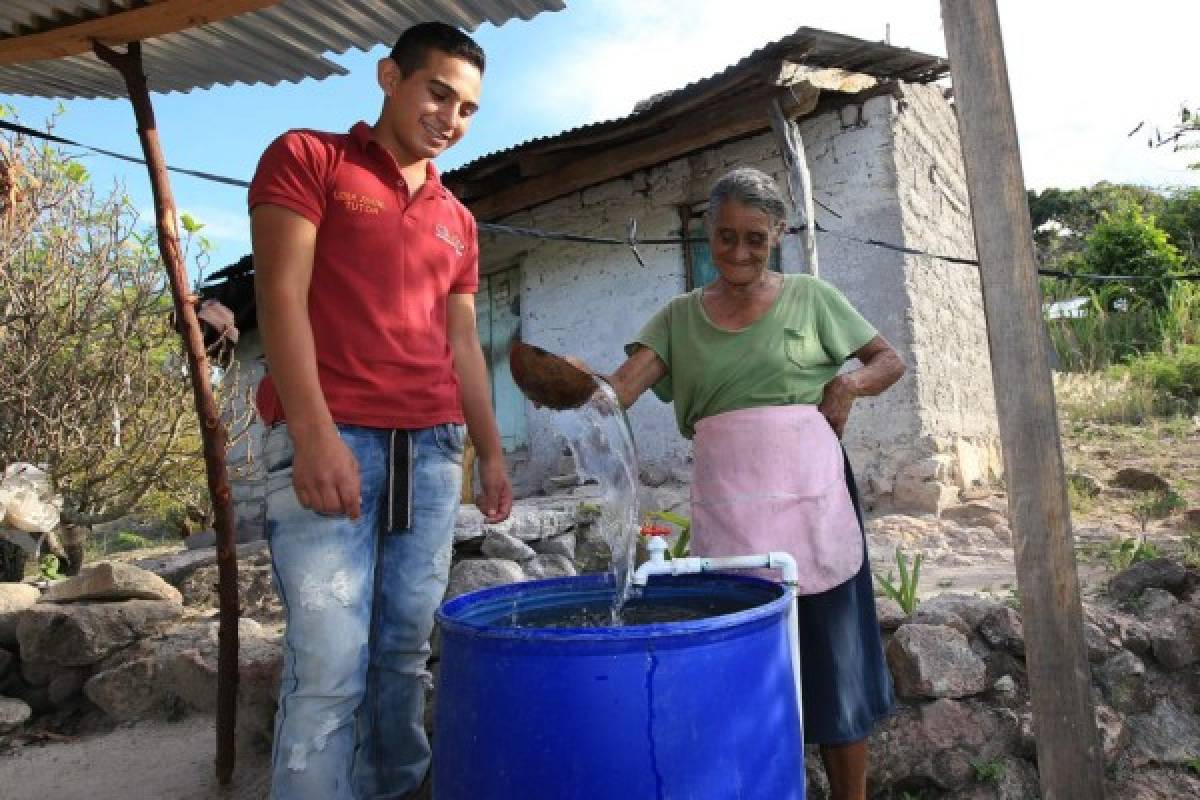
784 358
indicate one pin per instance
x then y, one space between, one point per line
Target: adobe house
881 141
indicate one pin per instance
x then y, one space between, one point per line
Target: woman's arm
640 371
881 367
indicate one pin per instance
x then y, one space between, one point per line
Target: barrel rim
658 631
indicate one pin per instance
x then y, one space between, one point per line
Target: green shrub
989 771
1125 551
128 540
904 592
48 567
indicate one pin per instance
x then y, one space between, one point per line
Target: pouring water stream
601 441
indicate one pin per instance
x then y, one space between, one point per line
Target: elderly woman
753 365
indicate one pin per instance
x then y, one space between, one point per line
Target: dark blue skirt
847 686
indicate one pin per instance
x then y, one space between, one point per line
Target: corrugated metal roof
285 42
808 46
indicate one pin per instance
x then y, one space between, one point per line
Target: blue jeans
359 609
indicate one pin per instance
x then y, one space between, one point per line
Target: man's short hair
412 48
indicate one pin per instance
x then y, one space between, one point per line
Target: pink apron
774 479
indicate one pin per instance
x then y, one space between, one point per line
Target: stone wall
953 380
247 476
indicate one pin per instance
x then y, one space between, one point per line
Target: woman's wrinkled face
740 239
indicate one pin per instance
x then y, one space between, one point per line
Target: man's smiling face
428 111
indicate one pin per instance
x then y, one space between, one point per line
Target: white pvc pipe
659 565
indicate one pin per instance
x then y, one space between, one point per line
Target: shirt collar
364 138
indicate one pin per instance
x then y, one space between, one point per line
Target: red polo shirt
384 266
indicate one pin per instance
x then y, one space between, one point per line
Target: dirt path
149 761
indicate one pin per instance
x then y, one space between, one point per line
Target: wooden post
1070 762
791 149
212 431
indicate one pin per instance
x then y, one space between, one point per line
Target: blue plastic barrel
698 710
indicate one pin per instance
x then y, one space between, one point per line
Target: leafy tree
1128 242
94 384
1080 210
1180 218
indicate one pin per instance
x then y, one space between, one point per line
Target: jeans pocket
451 438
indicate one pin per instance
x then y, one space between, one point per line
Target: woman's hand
881 367
837 401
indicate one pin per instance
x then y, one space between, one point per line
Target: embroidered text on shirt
443 233
359 202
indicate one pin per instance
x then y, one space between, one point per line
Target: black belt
397 512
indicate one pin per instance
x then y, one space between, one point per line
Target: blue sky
1082 78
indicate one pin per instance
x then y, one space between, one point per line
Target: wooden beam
1069 758
685 136
799 183
212 430
156 19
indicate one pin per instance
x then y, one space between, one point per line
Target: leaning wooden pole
791 149
1069 758
212 430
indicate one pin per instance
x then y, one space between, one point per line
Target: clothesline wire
631 240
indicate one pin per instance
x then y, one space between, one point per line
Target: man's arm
324 471
495 499
881 367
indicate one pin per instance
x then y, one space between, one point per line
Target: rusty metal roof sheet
810 46
283 42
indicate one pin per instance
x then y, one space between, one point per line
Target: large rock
498 544
561 545
548 566
1016 779
112 581
975 514
174 567
936 743
1176 638
971 608
1139 479
1158 573
1165 735
13 714
1100 644
1002 629
172 674
1122 679
14 598
257 598
480 573
1154 603
934 661
80 634
889 613
531 524
65 684
468 524
940 616
1112 733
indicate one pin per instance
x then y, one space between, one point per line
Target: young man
366 268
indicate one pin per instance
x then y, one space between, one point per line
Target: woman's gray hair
750 187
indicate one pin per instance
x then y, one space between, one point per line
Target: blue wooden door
498 315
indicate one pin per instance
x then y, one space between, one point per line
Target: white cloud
1083 73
